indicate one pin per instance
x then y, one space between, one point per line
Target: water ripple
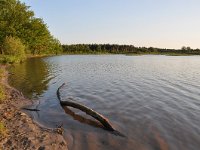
153 100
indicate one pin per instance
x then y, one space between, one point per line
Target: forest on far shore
125 49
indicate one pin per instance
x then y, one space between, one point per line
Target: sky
156 23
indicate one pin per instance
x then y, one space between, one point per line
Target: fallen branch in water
31 109
86 109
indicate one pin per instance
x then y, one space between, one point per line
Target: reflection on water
153 100
81 118
31 77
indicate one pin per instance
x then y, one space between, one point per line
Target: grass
2 90
1 73
2 94
3 130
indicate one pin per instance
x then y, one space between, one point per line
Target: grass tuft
3 130
2 90
2 94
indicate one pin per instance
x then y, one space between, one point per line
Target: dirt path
22 132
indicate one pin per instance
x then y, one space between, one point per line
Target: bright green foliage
17 20
37 37
55 47
13 46
13 50
14 18
7 59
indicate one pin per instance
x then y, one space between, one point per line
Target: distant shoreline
126 50
128 54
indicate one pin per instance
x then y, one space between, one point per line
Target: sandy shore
22 131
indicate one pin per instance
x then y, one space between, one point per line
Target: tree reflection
30 77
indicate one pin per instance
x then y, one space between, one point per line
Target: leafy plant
13 46
13 50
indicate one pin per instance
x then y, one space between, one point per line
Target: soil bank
22 131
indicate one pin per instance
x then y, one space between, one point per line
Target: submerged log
104 121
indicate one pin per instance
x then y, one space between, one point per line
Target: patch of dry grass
1 73
2 94
2 90
3 130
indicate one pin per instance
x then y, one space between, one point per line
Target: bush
13 49
7 59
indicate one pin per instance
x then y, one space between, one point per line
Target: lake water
153 100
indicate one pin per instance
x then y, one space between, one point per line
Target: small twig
31 109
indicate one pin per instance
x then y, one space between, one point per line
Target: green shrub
13 50
7 59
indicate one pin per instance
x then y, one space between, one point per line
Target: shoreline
21 131
125 54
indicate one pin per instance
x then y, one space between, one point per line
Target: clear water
153 100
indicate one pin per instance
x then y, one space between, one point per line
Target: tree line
124 49
21 31
22 34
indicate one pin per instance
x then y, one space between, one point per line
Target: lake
153 100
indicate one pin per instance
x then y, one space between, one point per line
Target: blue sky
157 23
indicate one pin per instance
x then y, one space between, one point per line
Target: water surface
153 100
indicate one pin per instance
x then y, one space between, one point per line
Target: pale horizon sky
156 23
